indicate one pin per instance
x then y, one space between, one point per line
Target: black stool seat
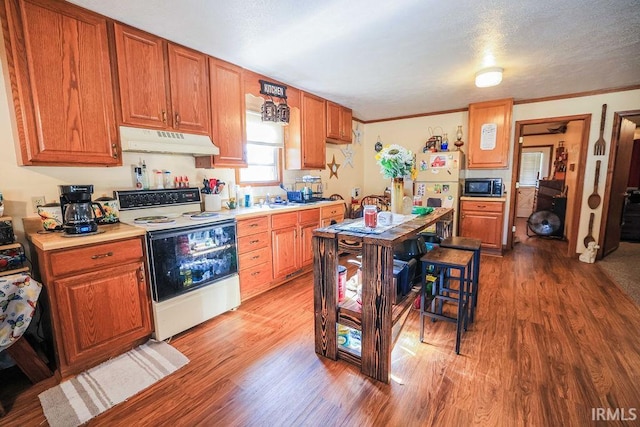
474 245
444 260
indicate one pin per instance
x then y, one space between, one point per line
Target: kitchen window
265 141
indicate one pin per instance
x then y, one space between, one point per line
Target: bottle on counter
167 182
158 180
137 177
145 176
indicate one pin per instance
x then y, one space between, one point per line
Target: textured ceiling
403 57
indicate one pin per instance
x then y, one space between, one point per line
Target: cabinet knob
177 119
114 149
164 116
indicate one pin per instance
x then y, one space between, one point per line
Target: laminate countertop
256 211
48 241
484 199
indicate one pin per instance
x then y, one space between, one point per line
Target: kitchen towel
76 401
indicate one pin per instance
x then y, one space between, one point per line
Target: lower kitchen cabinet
273 248
254 256
291 238
483 220
99 299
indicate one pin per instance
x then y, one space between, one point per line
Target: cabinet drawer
470 205
309 216
253 242
255 280
87 258
329 211
249 226
327 221
284 220
254 258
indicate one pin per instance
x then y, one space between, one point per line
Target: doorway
626 130
569 136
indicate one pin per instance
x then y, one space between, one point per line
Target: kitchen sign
272 89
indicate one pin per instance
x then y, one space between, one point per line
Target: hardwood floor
553 338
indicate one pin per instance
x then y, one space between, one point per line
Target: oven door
181 260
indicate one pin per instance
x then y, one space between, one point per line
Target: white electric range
192 256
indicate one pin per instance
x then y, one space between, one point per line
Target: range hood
162 141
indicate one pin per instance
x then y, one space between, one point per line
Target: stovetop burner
161 221
148 219
158 210
204 215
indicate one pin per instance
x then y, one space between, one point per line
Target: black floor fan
545 224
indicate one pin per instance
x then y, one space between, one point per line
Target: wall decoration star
348 155
357 133
333 167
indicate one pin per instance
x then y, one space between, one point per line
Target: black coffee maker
77 209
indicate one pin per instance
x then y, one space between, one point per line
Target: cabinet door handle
253 225
164 116
255 273
482 206
177 119
98 256
254 241
255 257
141 274
114 148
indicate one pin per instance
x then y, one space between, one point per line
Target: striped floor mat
81 398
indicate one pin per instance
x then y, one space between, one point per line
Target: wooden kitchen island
378 319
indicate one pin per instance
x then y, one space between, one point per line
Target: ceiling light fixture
489 77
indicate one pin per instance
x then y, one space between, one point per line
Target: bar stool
473 245
444 260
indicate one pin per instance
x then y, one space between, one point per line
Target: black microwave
483 187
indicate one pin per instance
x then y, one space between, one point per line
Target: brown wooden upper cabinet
313 128
338 124
62 86
489 126
227 116
162 85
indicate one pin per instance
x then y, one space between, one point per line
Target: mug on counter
231 204
212 202
385 218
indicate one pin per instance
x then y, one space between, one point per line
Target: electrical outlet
355 192
37 201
